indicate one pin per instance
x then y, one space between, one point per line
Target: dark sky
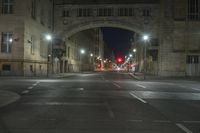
118 40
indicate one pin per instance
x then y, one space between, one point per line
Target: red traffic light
120 60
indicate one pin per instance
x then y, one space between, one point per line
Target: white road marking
191 121
135 120
118 86
185 129
197 89
25 92
111 113
35 84
63 104
135 96
162 121
81 89
141 86
30 88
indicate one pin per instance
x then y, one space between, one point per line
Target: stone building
173 26
23 48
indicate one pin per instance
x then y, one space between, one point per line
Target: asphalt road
101 103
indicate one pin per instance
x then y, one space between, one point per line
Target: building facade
173 27
24 50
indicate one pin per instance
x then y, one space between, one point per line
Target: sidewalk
140 76
7 97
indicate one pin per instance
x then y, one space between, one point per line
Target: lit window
6 42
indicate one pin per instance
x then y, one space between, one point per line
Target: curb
7 97
133 76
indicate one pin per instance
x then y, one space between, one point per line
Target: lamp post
82 52
134 51
49 38
145 38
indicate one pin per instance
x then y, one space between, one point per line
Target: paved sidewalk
7 97
140 76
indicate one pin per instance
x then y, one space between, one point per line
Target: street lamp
145 38
82 51
49 38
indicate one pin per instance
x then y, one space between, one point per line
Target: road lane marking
191 121
35 84
111 113
135 120
25 92
162 121
185 129
141 86
196 89
63 104
30 88
118 86
81 89
135 96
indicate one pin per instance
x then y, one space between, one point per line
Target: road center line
196 89
30 88
191 121
111 113
162 121
135 96
141 86
25 92
185 129
118 86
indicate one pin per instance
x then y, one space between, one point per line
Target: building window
42 15
32 44
192 59
7 6
105 12
125 12
6 67
146 12
33 9
84 12
65 13
193 9
68 50
6 42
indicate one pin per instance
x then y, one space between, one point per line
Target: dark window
193 59
42 15
6 67
105 12
33 9
7 6
193 9
65 13
84 12
146 12
6 42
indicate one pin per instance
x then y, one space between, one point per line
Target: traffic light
119 60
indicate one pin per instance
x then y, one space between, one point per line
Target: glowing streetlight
130 55
82 51
134 50
145 37
10 40
91 55
48 37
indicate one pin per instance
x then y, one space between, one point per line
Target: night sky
118 40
